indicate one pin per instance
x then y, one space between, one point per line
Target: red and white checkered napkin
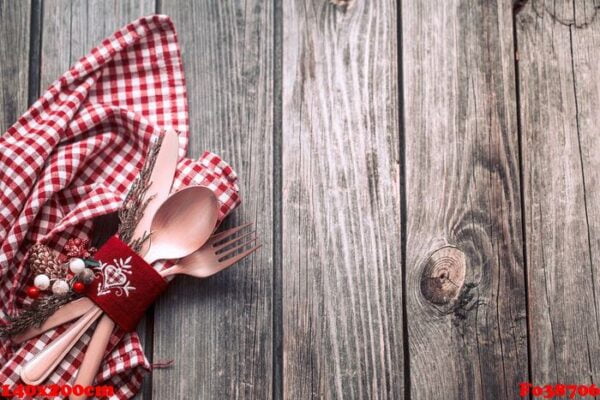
72 157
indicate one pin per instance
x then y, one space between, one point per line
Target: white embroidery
114 277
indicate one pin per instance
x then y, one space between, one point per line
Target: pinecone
42 261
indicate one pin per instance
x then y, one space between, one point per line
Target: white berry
41 282
60 287
76 265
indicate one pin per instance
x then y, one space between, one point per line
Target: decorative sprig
35 314
135 202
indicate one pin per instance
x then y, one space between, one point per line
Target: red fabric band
125 285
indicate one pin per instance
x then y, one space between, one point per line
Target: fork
213 257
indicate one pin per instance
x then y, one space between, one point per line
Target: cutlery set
180 227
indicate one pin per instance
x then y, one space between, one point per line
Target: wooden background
424 175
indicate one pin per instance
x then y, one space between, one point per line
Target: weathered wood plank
342 274
219 331
71 28
559 75
14 52
466 305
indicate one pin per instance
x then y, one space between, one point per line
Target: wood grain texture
219 330
342 273
462 188
334 72
559 74
14 65
70 29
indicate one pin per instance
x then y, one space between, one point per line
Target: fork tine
221 235
234 259
235 239
237 247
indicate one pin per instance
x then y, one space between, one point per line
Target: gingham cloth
72 157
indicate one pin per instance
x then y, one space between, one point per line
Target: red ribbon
125 285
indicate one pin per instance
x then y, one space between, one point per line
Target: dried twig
135 202
36 314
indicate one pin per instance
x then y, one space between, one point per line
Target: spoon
182 224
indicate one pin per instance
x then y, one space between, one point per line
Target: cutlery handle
95 351
66 313
93 355
42 365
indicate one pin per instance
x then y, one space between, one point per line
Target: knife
161 181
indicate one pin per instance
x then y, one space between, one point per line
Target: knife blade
161 181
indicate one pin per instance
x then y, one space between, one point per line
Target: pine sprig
35 314
135 203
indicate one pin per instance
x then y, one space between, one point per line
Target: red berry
78 287
33 292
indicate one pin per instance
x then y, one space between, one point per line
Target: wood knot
443 275
344 3
567 14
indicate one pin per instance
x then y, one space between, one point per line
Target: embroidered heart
113 277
